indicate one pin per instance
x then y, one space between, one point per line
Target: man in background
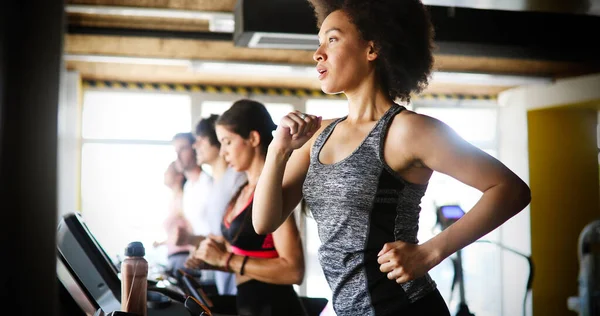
196 193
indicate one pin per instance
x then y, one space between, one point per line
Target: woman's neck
367 102
255 169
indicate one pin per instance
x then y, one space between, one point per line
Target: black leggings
255 298
431 304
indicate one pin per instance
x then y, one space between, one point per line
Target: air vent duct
282 24
585 7
523 30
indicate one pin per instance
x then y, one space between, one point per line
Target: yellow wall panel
563 166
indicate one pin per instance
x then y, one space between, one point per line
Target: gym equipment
587 303
448 215
91 278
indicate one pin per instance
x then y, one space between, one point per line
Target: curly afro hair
403 36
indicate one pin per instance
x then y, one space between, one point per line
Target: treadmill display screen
87 263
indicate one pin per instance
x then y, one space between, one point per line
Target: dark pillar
31 44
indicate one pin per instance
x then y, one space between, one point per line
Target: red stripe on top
255 253
227 224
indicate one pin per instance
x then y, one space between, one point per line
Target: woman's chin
330 90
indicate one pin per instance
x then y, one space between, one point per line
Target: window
328 109
126 148
315 282
476 125
135 116
277 110
481 261
123 196
215 107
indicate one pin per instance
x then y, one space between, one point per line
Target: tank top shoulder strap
374 139
321 138
386 120
380 132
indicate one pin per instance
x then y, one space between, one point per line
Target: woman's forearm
267 207
288 271
496 206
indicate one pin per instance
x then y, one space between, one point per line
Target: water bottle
134 280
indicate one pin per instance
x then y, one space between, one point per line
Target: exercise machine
448 215
587 303
91 278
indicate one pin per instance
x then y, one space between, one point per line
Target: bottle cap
135 249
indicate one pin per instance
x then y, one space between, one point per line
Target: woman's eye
332 39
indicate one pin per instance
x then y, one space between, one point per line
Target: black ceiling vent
536 35
280 24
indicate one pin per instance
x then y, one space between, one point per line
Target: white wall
515 233
513 151
68 146
565 91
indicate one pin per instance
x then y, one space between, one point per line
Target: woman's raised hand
295 129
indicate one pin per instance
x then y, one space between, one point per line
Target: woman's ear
254 139
373 52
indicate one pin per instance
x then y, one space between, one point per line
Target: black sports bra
243 238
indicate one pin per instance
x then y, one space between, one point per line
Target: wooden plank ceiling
215 50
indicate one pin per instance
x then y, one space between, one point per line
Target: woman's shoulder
412 125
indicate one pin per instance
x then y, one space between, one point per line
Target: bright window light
276 110
481 262
328 109
134 115
123 195
473 124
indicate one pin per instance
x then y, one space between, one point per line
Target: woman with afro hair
363 175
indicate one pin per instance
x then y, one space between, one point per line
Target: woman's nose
319 55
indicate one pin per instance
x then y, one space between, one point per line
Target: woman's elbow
525 196
264 224
522 194
261 227
292 272
297 276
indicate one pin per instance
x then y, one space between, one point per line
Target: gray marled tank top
360 203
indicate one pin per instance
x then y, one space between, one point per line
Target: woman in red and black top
266 266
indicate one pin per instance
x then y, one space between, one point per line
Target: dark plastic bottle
134 280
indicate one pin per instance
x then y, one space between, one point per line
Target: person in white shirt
196 193
226 182
175 220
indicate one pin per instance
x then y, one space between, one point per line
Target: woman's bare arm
288 268
436 146
279 188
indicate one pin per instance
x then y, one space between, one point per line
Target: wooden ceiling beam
226 51
183 75
198 5
179 48
136 22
